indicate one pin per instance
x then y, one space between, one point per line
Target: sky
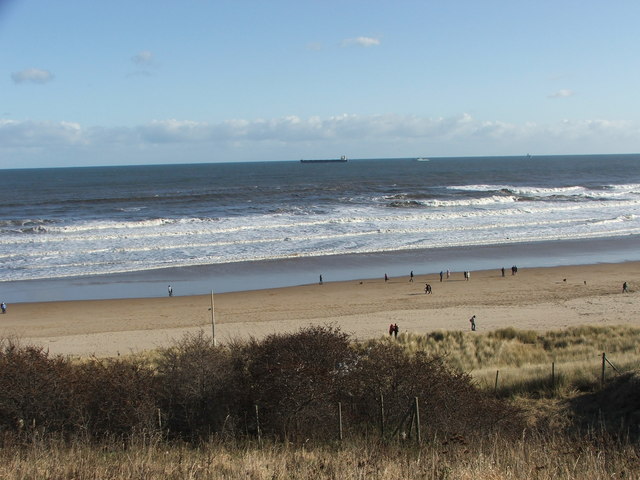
123 82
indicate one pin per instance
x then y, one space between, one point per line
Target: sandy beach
538 298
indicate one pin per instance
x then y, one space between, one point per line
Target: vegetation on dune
271 408
531 363
490 457
286 387
509 347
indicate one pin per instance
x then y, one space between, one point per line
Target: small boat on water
422 159
342 159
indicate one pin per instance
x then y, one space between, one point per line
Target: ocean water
78 222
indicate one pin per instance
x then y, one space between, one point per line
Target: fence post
258 426
340 419
417 411
495 387
604 359
381 415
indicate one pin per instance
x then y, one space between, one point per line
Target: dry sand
538 299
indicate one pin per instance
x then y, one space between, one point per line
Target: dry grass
524 358
564 435
530 457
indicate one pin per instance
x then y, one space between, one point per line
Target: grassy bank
271 409
530 457
530 363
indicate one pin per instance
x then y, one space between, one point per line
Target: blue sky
135 82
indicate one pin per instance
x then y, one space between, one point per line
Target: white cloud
291 137
30 134
32 75
361 42
293 129
563 93
172 131
144 57
146 62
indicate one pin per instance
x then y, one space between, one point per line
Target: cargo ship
342 159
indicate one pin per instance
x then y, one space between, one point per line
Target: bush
295 379
95 399
449 403
196 390
35 390
196 385
114 398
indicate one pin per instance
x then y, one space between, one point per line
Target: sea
129 231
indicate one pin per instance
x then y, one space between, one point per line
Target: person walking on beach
386 277
395 330
625 289
411 276
441 275
170 290
391 329
3 306
502 271
472 321
448 273
320 279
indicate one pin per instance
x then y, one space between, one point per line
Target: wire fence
554 374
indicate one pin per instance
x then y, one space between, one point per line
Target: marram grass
523 360
532 362
488 458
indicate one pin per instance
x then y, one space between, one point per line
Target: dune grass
533 363
458 458
566 435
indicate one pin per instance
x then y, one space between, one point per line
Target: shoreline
542 298
297 271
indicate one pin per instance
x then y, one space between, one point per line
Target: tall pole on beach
213 321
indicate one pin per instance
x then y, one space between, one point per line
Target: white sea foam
545 192
400 216
494 199
263 237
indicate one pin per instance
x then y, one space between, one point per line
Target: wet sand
537 298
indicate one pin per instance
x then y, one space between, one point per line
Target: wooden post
340 419
417 412
495 387
409 413
381 415
604 359
258 426
213 321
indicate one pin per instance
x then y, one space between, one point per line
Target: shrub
114 398
294 379
35 390
449 402
195 388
